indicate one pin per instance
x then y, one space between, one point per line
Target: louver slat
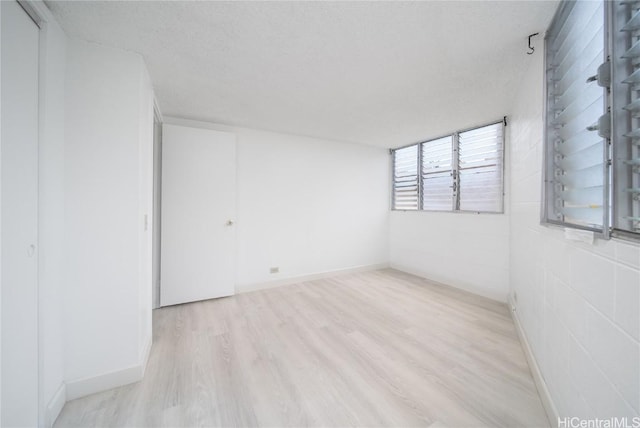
627 151
575 155
437 179
405 178
480 165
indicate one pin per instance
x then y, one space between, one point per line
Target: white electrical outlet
274 269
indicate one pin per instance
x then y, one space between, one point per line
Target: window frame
547 153
393 177
455 170
615 97
621 122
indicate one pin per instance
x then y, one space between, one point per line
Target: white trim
34 11
244 288
90 385
144 358
38 11
541 385
156 110
499 297
55 406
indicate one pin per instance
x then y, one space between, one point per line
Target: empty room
320 214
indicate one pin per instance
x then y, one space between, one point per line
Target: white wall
305 205
464 250
579 304
469 251
108 130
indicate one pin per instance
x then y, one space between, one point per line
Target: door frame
156 232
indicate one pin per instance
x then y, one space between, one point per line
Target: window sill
452 212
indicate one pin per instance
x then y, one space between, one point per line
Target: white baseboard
92 384
499 297
244 288
55 406
541 385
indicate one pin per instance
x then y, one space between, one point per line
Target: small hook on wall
531 48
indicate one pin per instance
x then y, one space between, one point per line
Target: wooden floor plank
380 348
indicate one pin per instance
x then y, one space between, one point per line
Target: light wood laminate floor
378 348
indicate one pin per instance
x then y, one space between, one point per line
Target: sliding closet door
198 214
19 224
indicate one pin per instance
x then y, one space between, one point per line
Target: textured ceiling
381 73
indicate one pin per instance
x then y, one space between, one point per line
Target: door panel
198 202
19 221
